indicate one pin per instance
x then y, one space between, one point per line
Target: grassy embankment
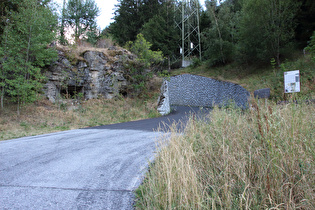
44 117
261 158
253 78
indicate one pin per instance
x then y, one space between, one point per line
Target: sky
107 8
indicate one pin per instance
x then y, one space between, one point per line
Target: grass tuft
258 159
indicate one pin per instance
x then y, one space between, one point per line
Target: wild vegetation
255 77
81 16
27 30
261 158
244 32
239 159
235 159
44 117
231 33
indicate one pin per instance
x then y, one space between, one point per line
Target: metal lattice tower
187 23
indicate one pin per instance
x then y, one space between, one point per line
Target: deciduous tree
219 39
266 27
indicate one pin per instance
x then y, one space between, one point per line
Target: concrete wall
192 90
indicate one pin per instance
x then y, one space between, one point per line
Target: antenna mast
187 22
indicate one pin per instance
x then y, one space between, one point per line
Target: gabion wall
192 90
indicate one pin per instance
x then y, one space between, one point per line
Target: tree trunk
18 106
28 54
219 32
2 97
62 29
278 51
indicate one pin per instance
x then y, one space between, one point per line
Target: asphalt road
92 168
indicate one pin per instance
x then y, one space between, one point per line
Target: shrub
141 48
139 70
311 46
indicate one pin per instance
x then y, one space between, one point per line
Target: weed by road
262 158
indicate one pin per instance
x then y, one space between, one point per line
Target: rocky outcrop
94 74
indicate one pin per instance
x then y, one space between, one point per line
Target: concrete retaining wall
192 90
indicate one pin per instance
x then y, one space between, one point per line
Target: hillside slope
253 78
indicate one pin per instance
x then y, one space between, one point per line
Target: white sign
292 81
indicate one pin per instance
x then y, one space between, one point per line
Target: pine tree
311 47
127 21
6 6
160 30
81 15
3 58
25 49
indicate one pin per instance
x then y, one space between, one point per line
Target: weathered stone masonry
192 90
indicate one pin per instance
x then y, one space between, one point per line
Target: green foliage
137 75
160 31
306 22
265 28
311 46
28 32
140 70
92 37
247 31
79 96
273 63
127 21
141 48
134 17
219 38
81 15
6 6
164 74
196 62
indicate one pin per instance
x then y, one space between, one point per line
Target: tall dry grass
262 158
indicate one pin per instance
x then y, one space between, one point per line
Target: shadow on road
178 117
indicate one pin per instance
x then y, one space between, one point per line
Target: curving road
92 168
